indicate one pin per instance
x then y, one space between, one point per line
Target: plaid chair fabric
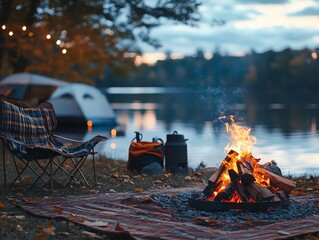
28 133
25 125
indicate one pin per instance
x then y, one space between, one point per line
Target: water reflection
285 126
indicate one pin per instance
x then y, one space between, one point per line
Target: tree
76 39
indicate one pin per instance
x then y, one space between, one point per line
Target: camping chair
27 135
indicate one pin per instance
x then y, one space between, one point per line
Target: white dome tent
74 103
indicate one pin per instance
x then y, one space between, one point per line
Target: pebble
179 205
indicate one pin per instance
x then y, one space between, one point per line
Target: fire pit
241 182
215 206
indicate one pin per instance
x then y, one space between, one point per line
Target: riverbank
112 177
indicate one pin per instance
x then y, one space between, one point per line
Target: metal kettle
176 154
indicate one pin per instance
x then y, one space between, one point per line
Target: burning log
214 178
246 172
259 193
234 177
240 177
227 194
213 181
277 181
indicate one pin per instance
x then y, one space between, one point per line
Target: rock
153 168
273 167
205 173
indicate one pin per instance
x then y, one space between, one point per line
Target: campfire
241 179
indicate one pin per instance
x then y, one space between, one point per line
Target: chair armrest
68 139
15 141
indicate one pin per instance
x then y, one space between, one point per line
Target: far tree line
270 70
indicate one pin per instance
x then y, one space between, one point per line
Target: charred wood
227 194
214 178
277 181
259 193
235 182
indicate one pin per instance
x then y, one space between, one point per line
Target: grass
112 177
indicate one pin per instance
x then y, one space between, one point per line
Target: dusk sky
258 25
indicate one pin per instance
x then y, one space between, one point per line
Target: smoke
222 102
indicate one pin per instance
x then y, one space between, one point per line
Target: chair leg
51 171
40 176
4 165
94 167
16 166
20 172
75 170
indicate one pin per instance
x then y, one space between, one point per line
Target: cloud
213 13
262 1
185 40
309 11
258 27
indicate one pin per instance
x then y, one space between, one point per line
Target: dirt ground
112 177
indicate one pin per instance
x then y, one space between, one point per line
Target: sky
258 25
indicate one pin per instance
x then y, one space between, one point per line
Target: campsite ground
15 223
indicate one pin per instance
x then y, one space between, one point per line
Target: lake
285 124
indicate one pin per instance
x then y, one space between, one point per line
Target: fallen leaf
188 178
72 217
204 220
147 199
115 175
65 233
167 175
3 206
19 228
173 196
118 227
96 223
40 228
4 216
138 190
91 234
57 210
248 218
49 230
283 232
40 236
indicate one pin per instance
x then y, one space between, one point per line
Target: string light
63 46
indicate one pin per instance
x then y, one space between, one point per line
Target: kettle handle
138 137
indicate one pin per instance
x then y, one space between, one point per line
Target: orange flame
241 140
238 152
